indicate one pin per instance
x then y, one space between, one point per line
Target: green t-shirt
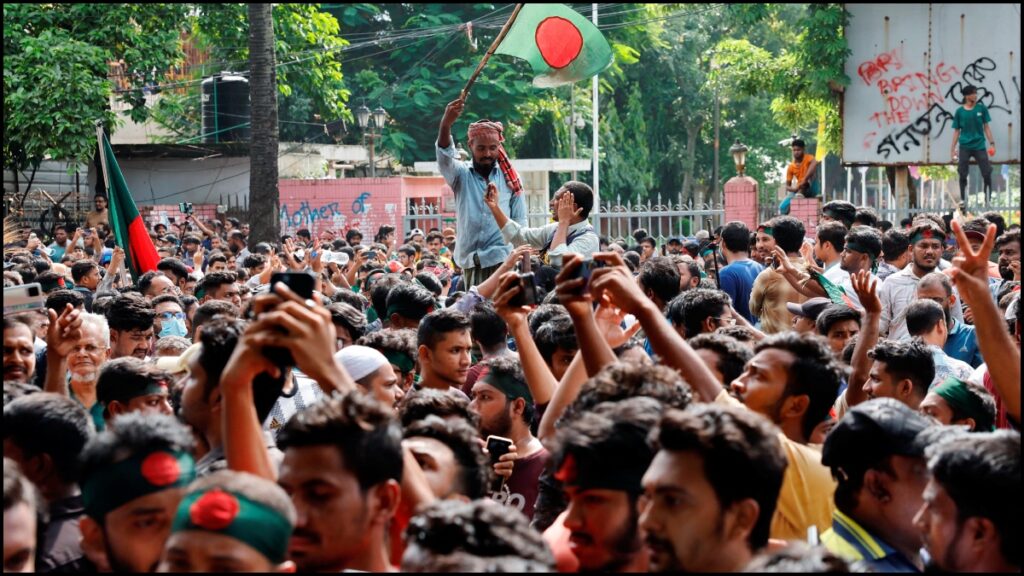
971 124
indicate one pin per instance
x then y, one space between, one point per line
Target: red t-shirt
520 491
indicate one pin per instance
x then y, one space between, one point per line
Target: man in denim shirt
480 248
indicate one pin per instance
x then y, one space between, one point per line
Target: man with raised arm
481 247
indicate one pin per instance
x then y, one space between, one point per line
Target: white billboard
907 67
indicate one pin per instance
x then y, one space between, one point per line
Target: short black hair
20 490
461 438
981 475
254 260
209 310
732 354
736 236
866 216
349 318
834 233
741 452
410 301
213 281
968 90
691 308
361 428
130 311
542 314
81 268
380 290
660 275
59 299
884 226
622 380
1008 237
557 332
486 327
429 281
477 536
122 379
419 404
832 315
582 195
407 249
997 219
53 424
788 233
351 234
814 373
922 316
894 244
906 359
174 266
866 238
146 280
435 325
842 211
168 298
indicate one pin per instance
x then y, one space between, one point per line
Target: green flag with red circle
561 45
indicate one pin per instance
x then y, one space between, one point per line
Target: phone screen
301 283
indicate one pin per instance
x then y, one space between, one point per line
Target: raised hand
508 288
866 288
491 196
316 263
197 258
566 209
64 332
617 282
609 322
453 111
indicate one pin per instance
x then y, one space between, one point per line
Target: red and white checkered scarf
511 176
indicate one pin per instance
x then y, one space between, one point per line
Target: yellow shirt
805 499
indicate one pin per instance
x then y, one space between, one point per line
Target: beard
85 376
624 545
1005 273
483 169
500 426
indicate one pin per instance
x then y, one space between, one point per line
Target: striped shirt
305 392
851 542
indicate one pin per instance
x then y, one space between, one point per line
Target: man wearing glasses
170 317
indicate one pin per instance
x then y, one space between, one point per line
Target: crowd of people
504 398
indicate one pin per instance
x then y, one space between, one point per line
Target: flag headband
232 514
117 484
511 387
767 230
961 401
927 234
627 479
404 362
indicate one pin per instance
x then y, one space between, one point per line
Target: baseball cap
178 364
675 240
415 231
809 309
870 432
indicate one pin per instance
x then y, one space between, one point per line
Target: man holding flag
480 248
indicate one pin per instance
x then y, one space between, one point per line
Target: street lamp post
363 116
739 156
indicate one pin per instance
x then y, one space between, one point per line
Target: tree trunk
264 195
692 132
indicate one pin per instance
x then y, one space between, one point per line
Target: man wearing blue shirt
737 278
480 248
962 340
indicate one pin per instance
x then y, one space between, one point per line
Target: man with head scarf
480 248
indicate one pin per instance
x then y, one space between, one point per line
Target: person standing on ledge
970 129
480 248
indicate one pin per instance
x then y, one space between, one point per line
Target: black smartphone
586 268
497 446
301 283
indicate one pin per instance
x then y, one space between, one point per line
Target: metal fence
614 220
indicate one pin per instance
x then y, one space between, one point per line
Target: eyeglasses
727 320
173 315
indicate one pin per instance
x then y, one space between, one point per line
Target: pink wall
340 205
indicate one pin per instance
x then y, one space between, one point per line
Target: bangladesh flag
562 46
129 230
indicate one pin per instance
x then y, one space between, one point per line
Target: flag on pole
561 45
129 230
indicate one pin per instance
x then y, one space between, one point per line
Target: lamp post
739 156
379 116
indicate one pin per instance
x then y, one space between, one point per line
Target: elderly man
481 247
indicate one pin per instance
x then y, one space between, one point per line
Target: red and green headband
114 486
232 514
927 234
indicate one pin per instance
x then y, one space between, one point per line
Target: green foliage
310 83
56 72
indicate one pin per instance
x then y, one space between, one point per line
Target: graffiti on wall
908 66
339 206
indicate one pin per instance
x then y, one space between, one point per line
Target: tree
58 78
263 189
309 52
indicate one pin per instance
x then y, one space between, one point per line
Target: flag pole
490 51
103 156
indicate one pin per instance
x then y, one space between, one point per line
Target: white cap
360 361
178 364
